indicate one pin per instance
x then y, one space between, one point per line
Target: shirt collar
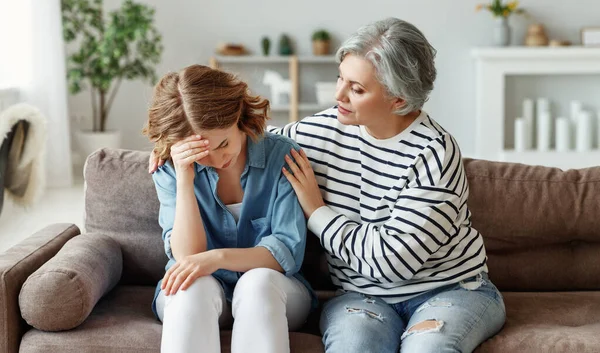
255 154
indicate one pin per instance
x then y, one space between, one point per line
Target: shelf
493 66
574 52
274 59
293 63
563 160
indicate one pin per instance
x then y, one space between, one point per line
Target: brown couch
541 228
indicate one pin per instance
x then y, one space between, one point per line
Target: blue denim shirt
270 216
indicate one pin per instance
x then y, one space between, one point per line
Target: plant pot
320 47
502 32
89 141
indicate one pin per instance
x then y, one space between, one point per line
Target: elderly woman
383 187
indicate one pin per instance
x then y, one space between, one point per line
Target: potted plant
321 42
501 11
124 45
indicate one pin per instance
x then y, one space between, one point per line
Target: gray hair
402 57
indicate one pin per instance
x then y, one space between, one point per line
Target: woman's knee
361 331
203 290
258 281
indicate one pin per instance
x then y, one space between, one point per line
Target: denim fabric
270 216
464 315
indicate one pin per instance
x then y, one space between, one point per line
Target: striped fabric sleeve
424 218
288 130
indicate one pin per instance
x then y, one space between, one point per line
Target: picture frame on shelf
590 36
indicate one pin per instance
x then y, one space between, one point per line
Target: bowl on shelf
325 93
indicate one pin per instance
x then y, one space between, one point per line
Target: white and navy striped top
396 222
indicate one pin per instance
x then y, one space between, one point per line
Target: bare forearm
188 236
243 260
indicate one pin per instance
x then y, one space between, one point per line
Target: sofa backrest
541 225
121 202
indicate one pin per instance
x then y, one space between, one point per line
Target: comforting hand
187 151
154 162
304 182
183 273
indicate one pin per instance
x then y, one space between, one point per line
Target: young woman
233 229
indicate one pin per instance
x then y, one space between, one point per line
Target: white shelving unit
293 67
493 65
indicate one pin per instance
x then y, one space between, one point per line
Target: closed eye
223 144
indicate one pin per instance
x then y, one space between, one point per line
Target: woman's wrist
218 256
185 179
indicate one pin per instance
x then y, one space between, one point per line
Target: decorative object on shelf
544 124
501 12
123 46
529 117
590 36
285 45
326 93
522 135
536 36
231 49
559 43
563 134
502 32
575 108
321 42
265 44
584 130
278 85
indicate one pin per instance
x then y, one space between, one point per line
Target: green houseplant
321 42
123 45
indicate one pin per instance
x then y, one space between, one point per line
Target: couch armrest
16 264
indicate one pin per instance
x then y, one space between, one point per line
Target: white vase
89 141
501 32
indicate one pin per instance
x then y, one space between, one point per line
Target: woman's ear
398 103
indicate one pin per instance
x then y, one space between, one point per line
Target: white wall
192 29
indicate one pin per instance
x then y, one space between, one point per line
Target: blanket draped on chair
22 172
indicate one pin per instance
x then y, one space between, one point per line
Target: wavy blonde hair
199 98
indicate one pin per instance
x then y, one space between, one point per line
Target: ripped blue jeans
453 318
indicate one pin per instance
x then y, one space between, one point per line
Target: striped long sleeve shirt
396 221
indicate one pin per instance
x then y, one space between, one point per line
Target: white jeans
266 305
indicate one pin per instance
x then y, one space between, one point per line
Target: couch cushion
548 323
540 225
63 292
123 322
121 202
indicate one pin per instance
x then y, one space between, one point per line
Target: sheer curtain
32 60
